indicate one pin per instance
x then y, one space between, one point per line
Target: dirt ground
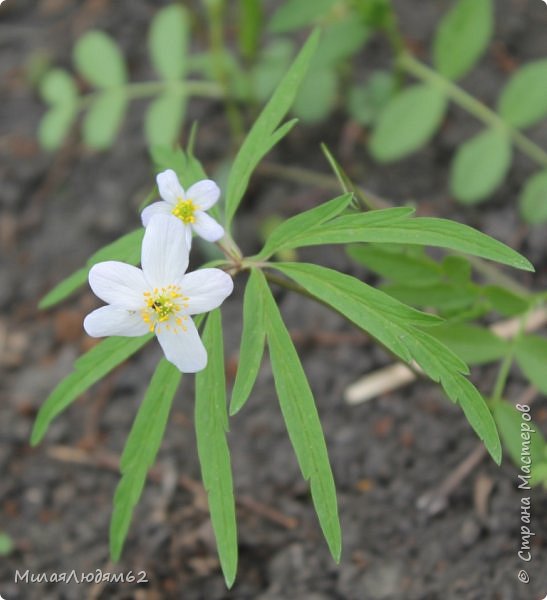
55 500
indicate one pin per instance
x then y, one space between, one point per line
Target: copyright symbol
523 576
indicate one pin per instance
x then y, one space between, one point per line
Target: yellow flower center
163 305
185 210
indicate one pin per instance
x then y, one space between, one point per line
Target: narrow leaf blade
252 343
211 422
140 450
302 422
88 369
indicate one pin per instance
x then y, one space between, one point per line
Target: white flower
189 206
160 297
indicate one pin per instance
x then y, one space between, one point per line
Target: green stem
503 374
473 106
215 9
145 89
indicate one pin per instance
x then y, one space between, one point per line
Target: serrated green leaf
125 249
88 369
480 165
104 118
408 122
462 37
444 296
473 344
98 58
295 14
55 125
396 264
253 339
211 422
140 450
523 100
381 316
317 95
168 42
259 139
164 119
392 225
504 301
58 88
509 421
302 421
393 324
531 356
533 199
288 229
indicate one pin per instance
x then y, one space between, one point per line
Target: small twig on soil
436 500
110 461
396 376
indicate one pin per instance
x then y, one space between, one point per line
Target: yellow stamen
185 210
162 305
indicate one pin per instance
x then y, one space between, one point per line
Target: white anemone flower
189 206
160 297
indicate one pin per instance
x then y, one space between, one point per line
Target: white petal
118 283
113 320
207 228
204 193
164 256
158 208
169 186
206 289
183 348
188 234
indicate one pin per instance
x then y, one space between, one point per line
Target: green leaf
211 422
288 229
250 27
480 165
55 125
88 369
504 301
260 139
58 88
391 225
141 449
164 119
408 122
473 344
523 100
295 14
98 58
533 199
317 95
168 42
6 544
253 338
125 249
302 421
366 102
104 118
509 421
393 324
396 264
462 37
340 40
443 296
273 63
531 356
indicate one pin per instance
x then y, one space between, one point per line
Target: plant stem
473 106
503 374
144 89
